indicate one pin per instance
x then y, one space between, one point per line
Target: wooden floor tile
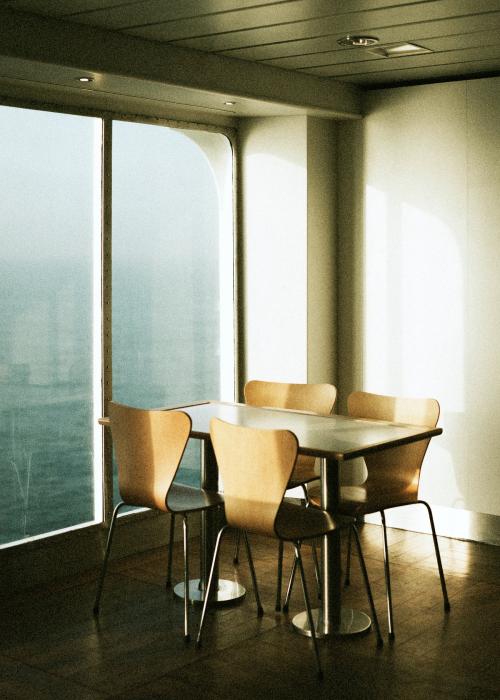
52 647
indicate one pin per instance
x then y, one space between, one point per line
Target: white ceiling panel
480 41
302 35
448 29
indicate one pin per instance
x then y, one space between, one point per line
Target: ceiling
302 35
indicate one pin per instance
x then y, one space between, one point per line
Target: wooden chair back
255 466
315 398
149 445
396 470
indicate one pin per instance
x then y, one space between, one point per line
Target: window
172 269
171 288
50 198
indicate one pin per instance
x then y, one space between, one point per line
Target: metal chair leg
279 576
260 610
347 579
298 559
317 573
290 585
236 555
106 557
168 582
438 557
209 584
380 641
292 575
186 577
387 571
291 579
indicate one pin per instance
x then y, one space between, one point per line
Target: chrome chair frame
316 398
150 446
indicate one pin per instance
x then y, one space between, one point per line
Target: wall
418 281
321 251
287 261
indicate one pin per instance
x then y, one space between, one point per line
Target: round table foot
351 622
227 592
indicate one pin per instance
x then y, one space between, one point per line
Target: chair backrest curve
255 466
149 445
317 398
398 469
314 398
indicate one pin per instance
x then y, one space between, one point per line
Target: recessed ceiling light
358 40
229 103
85 79
402 49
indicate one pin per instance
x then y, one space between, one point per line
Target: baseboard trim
450 522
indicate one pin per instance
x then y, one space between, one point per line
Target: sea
164 353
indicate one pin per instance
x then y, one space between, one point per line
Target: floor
52 647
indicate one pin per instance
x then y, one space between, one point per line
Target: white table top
334 437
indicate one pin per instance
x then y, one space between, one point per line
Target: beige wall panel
274 224
415 274
350 219
419 288
321 294
482 346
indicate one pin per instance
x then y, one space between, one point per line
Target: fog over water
165 299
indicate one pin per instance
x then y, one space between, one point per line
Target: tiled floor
51 646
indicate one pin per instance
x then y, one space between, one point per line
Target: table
334 439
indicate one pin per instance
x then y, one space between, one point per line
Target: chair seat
361 500
184 499
305 471
294 522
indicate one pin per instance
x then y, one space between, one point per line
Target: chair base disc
227 592
351 622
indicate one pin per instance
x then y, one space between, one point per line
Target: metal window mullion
107 375
240 359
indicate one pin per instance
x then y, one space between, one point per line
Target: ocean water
46 459
167 189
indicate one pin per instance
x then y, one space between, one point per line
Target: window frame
57 554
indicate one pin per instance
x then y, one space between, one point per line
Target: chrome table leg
224 591
331 618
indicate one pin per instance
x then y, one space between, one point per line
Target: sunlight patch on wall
376 323
430 333
438 476
276 267
414 336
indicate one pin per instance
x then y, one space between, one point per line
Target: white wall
419 259
321 251
274 224
287 167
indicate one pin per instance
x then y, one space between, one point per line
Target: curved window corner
170 282
173 299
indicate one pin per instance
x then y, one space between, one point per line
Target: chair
313 398
256 466
393 475
149 446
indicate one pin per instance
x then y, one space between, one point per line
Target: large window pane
172 268
50 197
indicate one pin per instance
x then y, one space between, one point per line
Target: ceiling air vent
403 49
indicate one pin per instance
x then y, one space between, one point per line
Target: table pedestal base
351 622
227 592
